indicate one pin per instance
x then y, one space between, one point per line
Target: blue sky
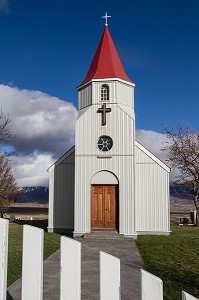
49 45
46 50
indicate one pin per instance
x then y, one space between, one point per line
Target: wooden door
104 207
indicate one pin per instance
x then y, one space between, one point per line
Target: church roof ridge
152 156
106 62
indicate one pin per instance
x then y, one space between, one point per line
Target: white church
108 180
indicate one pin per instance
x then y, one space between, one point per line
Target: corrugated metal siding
122 167
97 91
142 158
120 127
151 193
85 97
125 94
119 92
64 174
51 200
128 110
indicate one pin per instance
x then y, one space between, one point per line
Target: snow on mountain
31 194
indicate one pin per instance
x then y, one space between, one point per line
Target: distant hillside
177 192
179 201
39 194
31 194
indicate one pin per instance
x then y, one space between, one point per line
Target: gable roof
106 62
61 159
152 156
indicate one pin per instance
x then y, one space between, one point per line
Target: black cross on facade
103 110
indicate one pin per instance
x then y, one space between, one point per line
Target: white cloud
4 6
43 128
31 170
40 123
153 141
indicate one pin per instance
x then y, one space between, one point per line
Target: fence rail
70 270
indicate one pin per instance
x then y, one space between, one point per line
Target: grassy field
51 244
175 259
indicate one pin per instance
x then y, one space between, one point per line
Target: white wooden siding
122 167
85 96
143 179
120 127
51 201
120 161
61 194
125 94
97 91
151 194
119 92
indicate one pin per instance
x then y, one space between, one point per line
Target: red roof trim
106 62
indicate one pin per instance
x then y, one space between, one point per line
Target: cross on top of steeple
106 17
106 62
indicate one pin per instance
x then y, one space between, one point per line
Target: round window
105 143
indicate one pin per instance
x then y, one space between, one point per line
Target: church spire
106 62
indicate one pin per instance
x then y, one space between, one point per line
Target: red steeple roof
106 62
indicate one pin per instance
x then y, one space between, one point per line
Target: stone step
104 235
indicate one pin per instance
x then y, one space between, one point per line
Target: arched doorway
104 201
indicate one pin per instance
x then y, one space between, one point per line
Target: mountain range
40 194
32 194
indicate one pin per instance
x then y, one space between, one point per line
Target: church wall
152 201
51 202
119 92
125 94
119 160
97 91
120 127
122 167
62 192
85 96
143 179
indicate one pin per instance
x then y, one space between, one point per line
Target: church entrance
104 207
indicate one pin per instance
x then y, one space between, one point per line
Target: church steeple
106 62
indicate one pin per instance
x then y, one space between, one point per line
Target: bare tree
8 187
182 151
5 133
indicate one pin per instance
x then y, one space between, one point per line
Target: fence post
32 263
186 296
3 257
70 281
151 286
109 277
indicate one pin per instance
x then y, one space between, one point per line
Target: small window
104 92
105 143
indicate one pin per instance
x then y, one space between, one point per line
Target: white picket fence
70 270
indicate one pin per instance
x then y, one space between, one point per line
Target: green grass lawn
51 244
175 259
